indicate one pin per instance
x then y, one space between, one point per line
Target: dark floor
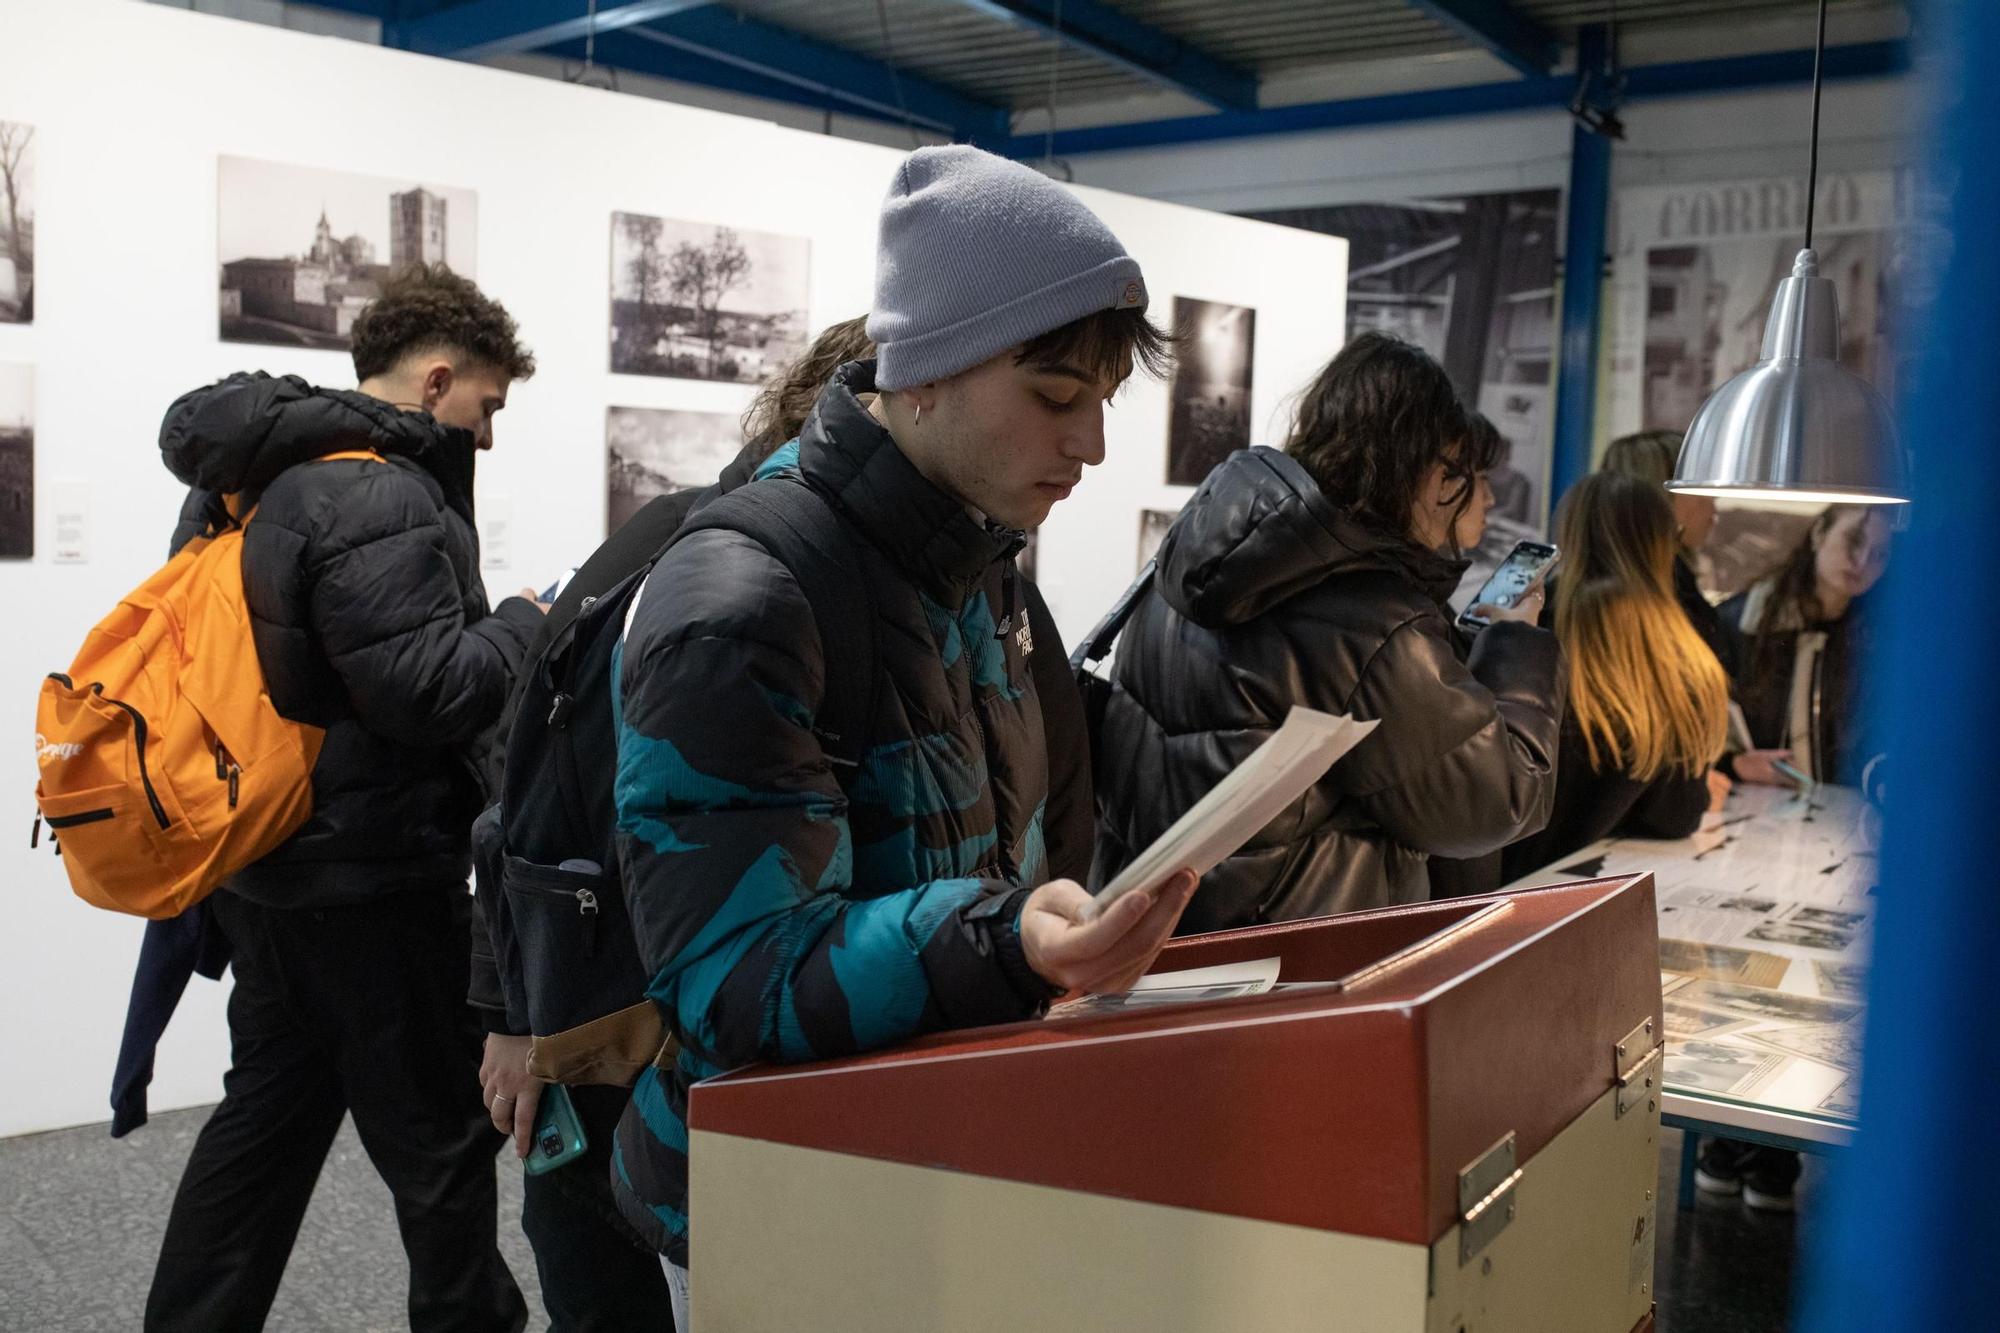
83 1212
81 1215
1721 1267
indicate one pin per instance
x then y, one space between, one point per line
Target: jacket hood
238 435
1259 531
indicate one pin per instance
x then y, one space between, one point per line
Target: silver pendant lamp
1797 425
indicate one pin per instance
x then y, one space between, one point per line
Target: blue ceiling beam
1499 29
784 59
625 54
480 29
1100 31
1859 61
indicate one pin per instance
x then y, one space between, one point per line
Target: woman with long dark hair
1802 629
1317 576
1648 700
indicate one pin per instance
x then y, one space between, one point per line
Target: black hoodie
1269 596
370 620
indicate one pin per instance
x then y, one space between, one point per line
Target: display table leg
1690 1154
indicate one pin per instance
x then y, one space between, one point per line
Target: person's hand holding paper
1072 945
1106 943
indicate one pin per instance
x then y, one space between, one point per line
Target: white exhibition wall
133 104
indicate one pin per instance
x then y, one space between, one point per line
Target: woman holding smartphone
1648 701
1802 632
1317 576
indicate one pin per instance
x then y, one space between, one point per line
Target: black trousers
343 1009
597 1276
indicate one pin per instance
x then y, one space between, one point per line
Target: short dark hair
1110 344
1372 423
428 309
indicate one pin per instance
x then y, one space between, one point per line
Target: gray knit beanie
977 254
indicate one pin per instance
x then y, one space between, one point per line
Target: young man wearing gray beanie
794 905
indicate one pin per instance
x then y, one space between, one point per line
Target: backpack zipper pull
235 773
559 710
35 838
221 764
586 907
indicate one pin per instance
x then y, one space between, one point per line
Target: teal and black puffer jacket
787 910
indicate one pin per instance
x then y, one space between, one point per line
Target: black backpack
545 857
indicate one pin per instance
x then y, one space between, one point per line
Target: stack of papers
1200 983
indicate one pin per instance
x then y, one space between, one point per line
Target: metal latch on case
1486 1198
1635 1069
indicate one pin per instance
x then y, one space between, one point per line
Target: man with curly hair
350 942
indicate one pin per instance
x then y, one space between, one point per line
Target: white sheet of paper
1277 773
1263 971
1193 985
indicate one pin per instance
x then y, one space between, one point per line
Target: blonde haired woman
1648 701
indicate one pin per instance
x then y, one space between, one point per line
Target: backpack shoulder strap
804 533
1099 641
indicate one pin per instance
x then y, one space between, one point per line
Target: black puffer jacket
1269 596
370 620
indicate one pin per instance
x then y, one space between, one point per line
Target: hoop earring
918 419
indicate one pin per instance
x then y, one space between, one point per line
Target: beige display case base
789 1238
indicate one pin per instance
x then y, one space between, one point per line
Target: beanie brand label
1131 296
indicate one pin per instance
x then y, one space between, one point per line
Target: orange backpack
165 768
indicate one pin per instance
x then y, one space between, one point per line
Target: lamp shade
1797 425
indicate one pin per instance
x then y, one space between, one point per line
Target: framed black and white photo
654 452
1209 416
17 461
695 300
1471 280
17 222
303 251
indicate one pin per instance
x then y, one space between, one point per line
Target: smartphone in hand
555 590
558 1138
1525 567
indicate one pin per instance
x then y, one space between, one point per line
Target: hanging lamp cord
1812 168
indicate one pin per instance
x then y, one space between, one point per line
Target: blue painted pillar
1913 1226
1584 247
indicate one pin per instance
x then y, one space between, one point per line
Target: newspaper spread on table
1764 922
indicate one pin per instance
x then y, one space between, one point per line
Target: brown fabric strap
613 1049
